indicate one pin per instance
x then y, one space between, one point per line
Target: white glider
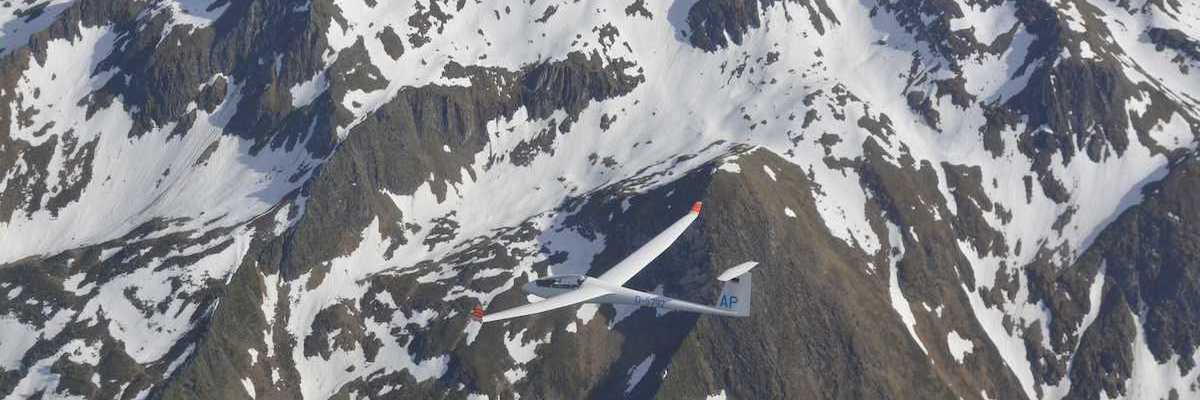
565 290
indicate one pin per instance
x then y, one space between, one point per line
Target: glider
566 290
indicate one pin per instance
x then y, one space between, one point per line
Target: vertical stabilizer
735 294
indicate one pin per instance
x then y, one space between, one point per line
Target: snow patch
959 347
520 350
899 302
769 172
304 93
249 386
638 372
18 339
1153 380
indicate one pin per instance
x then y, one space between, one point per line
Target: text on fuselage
646 301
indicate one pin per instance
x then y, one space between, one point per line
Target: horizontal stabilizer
737 271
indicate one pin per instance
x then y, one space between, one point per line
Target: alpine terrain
286 199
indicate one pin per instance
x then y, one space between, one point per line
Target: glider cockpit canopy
560 282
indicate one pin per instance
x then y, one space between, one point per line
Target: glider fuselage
560 284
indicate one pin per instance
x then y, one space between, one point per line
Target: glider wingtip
696 207
477 314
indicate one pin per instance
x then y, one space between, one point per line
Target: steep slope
972 199
1149 274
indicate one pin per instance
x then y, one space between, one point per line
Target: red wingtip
477 313
696 207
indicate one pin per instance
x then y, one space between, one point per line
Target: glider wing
631 265
566 299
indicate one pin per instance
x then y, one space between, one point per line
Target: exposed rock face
280 200
1149 261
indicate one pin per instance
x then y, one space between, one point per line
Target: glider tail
735 294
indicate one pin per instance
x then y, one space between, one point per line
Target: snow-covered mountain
302 199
